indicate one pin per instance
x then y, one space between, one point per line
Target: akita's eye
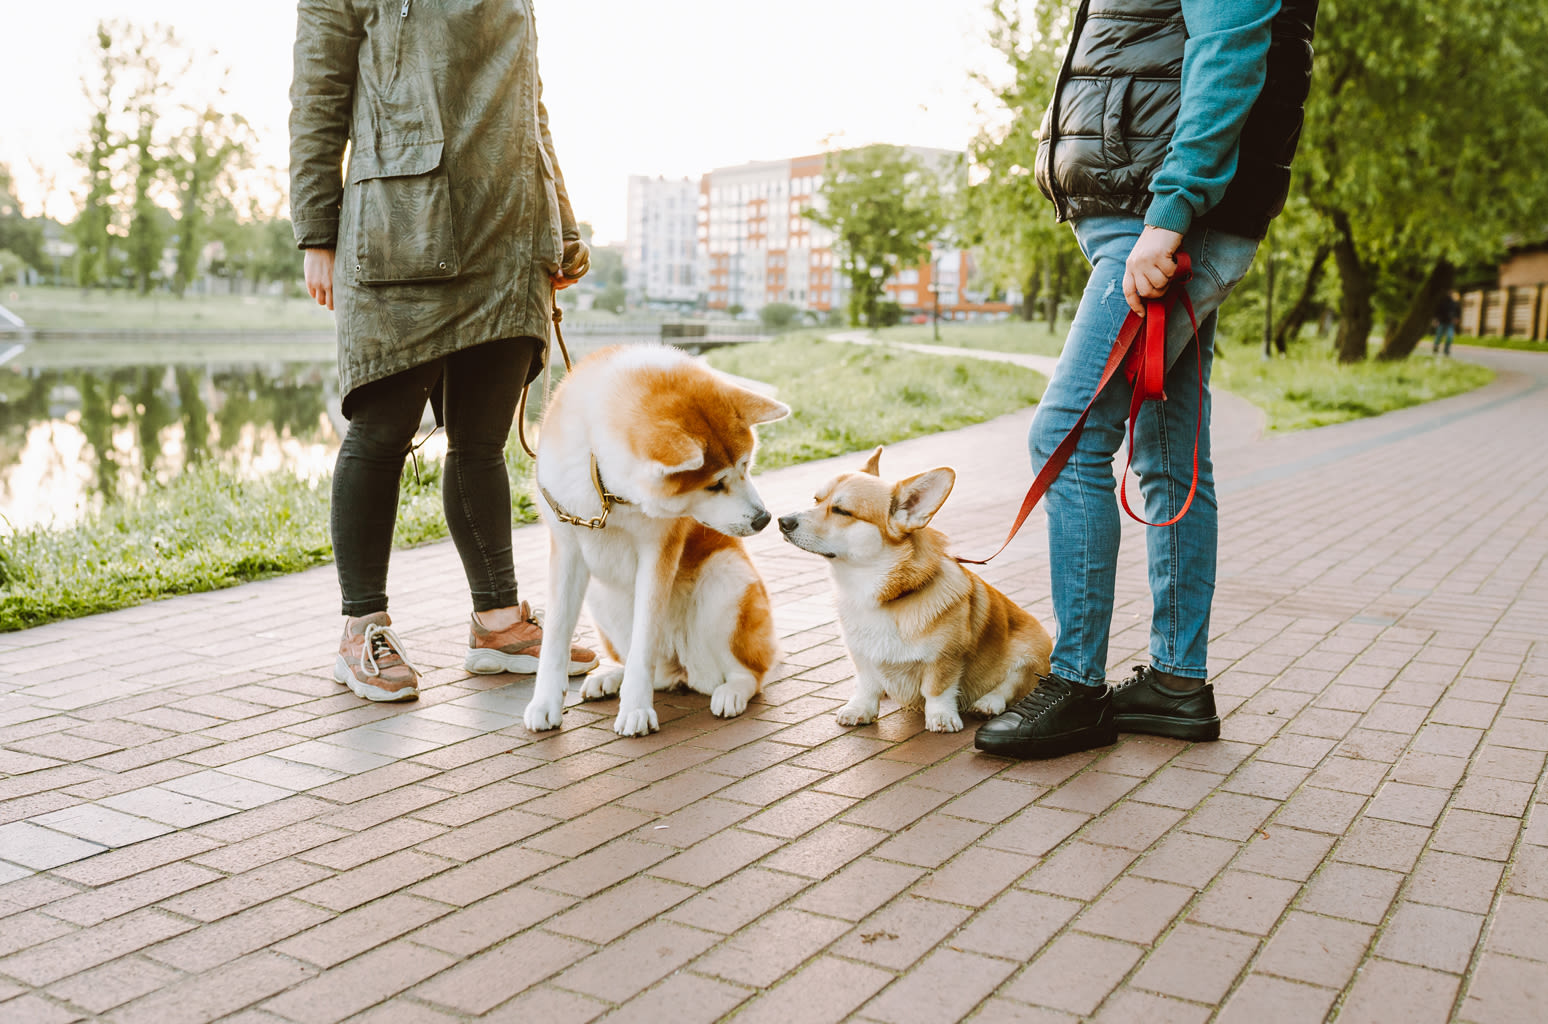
841 511
718 487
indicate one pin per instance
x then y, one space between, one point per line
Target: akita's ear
675 452
917 499
756 408
873 464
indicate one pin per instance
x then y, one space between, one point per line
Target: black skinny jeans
480 388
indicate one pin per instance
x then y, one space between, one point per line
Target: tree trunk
1029 298
1354 321
1403 338
1300 310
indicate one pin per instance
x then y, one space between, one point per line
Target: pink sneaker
516 649
372 663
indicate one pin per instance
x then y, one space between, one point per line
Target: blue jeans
1444 333
1082 507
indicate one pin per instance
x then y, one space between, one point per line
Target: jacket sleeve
566 215
322 93
1224 63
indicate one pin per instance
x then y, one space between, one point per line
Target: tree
885 208
18 235
1454 170
150 84
93 228
201 158
1004 214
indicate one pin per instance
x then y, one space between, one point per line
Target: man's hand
1150 266
573 267
318 270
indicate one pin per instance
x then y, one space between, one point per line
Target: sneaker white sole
485 662
342 674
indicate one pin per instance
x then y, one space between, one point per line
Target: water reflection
73 438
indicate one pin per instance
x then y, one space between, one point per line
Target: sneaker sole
485 662
1198 730
1055 746
343 675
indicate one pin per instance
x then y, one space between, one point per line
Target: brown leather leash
1145 368
521 404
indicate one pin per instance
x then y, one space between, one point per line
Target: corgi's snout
787 524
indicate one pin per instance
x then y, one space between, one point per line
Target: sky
673 88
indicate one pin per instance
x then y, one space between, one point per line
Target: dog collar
607 498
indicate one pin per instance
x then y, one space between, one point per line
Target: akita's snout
788 524
760 520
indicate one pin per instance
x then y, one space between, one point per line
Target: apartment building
661 255
755 244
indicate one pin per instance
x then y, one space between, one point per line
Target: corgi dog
918 625
643 465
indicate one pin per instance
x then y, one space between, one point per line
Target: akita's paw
542 715
855 714
989 705
943 721
728 700
639 722
602 685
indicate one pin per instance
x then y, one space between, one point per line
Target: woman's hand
573 267
318 270
1150 267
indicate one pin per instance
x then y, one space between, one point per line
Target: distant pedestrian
440 252
1172 128
1448 314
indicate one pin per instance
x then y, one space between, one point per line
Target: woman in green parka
439 251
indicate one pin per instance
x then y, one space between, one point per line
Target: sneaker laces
1051 691
1139 676
381 641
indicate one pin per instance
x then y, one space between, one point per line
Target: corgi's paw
542 715
639 722
602 685
729 700
989 705
855 714
943 721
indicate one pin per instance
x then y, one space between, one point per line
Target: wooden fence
1517 312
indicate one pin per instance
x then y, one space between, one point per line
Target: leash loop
1145 367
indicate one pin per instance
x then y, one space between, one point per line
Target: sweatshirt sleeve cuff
1170 212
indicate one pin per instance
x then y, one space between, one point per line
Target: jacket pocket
403 216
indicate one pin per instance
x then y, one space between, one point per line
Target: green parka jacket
453 213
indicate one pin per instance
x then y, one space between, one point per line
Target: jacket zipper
404 13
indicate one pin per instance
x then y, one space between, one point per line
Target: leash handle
1147 372
521 403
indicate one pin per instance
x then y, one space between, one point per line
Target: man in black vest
1172 127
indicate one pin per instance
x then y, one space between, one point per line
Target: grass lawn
46 306
92 309
999 335
1306 389
205 530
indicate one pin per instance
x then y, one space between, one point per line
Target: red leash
1144 366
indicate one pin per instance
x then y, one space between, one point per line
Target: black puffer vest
1116 102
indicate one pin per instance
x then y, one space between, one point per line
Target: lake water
84 422
88 417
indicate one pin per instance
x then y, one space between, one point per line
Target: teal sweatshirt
1222 73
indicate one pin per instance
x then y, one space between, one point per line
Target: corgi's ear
873 464
758 408
675 452
917 499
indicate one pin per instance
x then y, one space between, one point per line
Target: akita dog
918 625
642 470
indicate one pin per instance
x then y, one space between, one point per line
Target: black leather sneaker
1057 718
1141 703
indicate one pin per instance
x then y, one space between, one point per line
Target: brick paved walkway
197 824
